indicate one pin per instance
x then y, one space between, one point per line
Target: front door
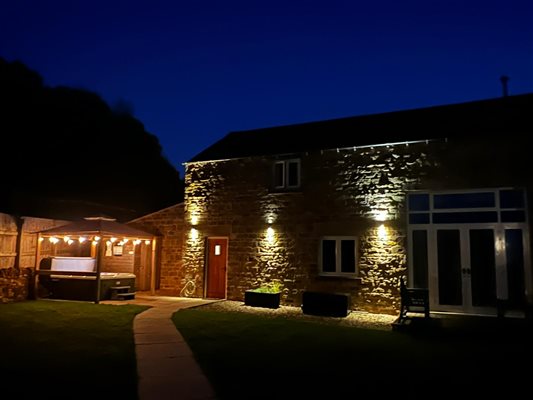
217 258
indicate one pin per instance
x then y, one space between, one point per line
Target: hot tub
81 287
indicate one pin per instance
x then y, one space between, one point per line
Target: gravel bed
355 318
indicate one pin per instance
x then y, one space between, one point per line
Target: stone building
435 195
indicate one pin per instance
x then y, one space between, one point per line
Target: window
338 256
287 174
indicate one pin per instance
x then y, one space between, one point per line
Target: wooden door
217 257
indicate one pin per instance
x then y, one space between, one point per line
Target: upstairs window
287 174
338 256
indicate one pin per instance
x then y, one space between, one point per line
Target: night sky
195 70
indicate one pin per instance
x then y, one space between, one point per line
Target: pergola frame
104 229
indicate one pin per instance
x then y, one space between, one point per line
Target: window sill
353 277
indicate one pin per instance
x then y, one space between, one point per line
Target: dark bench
413 300
325 304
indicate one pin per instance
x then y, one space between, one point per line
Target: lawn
60 349
254 357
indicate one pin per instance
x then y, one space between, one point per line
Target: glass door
464 270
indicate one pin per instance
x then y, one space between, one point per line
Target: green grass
56 349
253 357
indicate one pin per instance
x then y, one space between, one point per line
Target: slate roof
508 115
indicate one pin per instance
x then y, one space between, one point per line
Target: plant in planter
267 296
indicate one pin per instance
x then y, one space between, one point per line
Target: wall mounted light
380 215
383 232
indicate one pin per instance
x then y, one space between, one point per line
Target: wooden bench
413 300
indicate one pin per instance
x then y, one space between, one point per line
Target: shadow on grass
67 349
247 356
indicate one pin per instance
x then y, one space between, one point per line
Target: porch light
97 238
66 239
82 239
270 234
380 215
194 220
382 232
94 242
41 239
194 234
136 242
147 242
53 240
113 239
125 240
70 241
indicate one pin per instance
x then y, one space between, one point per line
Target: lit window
338 256
287 174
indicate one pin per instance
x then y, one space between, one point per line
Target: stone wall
173 279
14 284
343 193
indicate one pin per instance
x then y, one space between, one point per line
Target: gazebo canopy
100 226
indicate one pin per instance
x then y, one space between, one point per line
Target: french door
470 268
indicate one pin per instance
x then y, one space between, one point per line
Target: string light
95 240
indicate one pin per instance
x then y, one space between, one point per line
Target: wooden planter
259 299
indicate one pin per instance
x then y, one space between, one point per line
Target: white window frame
285 175
283 169
338 258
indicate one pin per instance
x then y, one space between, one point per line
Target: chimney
504 79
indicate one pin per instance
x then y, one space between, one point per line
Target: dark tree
66 153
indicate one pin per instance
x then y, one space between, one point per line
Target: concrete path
165 363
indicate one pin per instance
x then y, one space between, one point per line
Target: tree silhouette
66 153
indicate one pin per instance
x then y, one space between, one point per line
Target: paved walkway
165 363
